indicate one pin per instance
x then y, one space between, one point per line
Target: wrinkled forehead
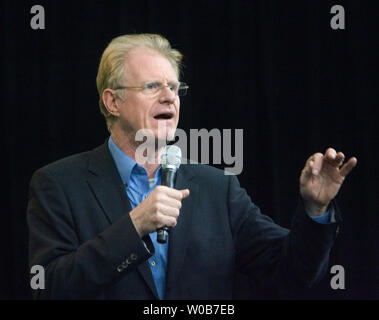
144 64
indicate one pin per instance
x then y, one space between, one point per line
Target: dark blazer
81 233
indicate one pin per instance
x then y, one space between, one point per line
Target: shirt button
153 263
133 256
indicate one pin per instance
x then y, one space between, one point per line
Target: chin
167 135
170 134
164 130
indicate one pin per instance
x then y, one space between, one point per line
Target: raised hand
322 178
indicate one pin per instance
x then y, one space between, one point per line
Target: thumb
185 193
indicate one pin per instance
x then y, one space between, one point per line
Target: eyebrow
171 82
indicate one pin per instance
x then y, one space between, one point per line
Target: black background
275 69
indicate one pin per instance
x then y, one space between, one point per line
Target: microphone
170 161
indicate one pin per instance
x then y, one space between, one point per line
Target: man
93 216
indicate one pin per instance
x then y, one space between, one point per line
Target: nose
167 95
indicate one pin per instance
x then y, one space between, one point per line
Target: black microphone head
171 157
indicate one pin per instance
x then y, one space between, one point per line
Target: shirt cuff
324 219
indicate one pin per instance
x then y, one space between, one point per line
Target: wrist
136 223
315 210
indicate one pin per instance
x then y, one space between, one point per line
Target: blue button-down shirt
138 187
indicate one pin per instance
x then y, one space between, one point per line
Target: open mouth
164 116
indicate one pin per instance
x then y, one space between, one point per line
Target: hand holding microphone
161 207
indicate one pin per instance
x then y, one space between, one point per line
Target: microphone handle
168 179
162 234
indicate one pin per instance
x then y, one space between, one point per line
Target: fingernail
315 172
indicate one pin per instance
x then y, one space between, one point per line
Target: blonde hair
111 71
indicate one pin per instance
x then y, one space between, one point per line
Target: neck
129 147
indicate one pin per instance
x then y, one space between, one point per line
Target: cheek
136 110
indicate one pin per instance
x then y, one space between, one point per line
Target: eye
173 86
153 85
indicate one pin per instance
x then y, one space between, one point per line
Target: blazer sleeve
76 270
274 257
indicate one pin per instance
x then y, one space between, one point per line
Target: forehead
143 64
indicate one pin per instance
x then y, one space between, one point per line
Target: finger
172 202
316 163
348 166
340 157
165 220
173 193
178 194
168 211
337 161
330 155
185 193
307 170
334 158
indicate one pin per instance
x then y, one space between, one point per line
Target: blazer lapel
107 186
179 236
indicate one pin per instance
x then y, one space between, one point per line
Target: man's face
140 110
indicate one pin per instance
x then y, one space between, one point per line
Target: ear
109 100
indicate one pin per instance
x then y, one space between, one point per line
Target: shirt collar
124 163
